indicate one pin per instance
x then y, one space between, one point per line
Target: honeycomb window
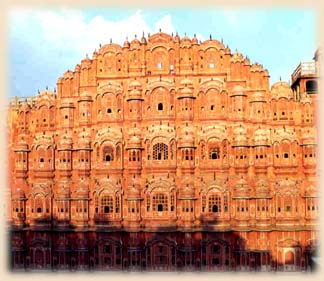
214 204
160 202
108 154
107 204
160 151
214 153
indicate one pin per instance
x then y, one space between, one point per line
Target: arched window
214 203
160 106
160 151
107 204
39 199
216 249
214 153
160 202
289 257
108 154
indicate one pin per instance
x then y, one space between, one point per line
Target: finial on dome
222 40
160 29
87 55
135 36
46 87
100 45
185 33
210 37
280 78
110 40
171 34
195 35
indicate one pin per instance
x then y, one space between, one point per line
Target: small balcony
304 69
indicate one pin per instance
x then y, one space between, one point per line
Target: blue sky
43 44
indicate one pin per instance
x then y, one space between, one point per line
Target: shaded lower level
162 251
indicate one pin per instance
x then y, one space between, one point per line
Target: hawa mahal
166 154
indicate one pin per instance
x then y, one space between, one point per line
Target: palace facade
166 135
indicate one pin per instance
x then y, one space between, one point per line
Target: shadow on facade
212 247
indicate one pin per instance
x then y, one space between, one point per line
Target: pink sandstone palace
166 154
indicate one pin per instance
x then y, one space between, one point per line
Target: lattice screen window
108 154
172 202
225 203
203 203
118 152
148 203
285 150
214 153
214 204
107 204
39 204
288 203
160 202
117 204
96 205
160 151
202 151
224 149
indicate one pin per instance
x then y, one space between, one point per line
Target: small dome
260 137
84 140
133 192
65 142
82 190
256 67
186 92
143 39
85 96
22 145
19 194
185 40
135 83
187 192
241 188
126 44
86 62
185 82
309 136
177 38
134 142
135 42
281 90
237 57
187 139
258 97
238 90
262 189
63 191
194 40
240 138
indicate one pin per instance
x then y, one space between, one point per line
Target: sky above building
43 44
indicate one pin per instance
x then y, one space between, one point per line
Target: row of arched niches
198 99
220 146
